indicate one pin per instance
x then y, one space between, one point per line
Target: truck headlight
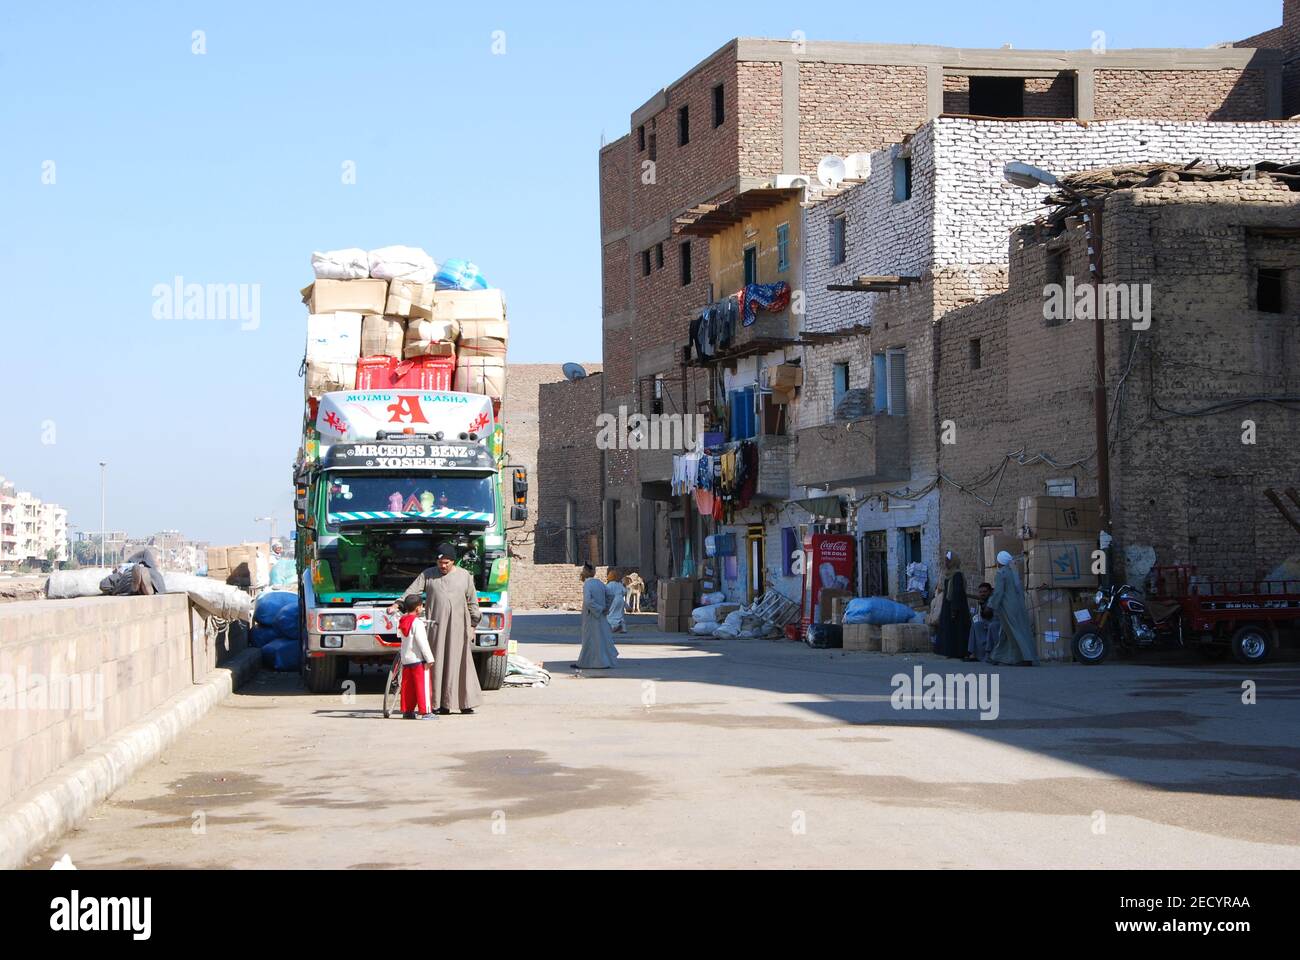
337 621
487 639
332 643
494 621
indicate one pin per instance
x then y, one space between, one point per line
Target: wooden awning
710 219
868 284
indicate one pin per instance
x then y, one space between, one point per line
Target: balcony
846 453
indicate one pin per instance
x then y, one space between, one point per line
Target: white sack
402 263
349 264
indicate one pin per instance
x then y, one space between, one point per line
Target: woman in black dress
954 616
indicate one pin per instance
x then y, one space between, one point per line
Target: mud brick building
956 429
1223 263
758 112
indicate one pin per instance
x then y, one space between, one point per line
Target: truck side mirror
519 505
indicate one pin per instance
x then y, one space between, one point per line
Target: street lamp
103 508
272 521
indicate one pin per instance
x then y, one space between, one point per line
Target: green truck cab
383 477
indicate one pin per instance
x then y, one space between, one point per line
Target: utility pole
103 508
1092 231
272 521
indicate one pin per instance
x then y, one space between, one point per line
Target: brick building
759 109
1285 38
528 410
927 371
1189 482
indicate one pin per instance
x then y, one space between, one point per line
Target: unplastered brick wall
850 107
975 208
1043 96
569 467
1228 94
614 159
683 175
884 237
1189 489
759 109
1287 39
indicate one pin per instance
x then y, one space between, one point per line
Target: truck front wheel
321 674
492 671
1251 644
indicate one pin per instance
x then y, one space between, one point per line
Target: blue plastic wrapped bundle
459 275
262 634
877 611
271 603
284 572
283 655
286 619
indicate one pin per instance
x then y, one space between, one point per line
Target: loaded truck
382 477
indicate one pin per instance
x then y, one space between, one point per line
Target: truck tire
1090 647
492 671
321 674
1251 644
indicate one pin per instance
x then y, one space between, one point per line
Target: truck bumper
384 645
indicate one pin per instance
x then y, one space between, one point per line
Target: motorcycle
1124 621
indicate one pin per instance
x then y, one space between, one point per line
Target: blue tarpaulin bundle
877 610
284 573
459 275
275 630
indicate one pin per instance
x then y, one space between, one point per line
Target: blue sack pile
459 275
275 630
877 610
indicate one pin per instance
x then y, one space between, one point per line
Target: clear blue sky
226 168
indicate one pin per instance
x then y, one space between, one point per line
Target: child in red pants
417 657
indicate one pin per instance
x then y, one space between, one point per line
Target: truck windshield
394 497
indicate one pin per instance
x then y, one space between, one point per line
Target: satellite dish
574 371
859 165
831 171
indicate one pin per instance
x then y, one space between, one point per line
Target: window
975 353
783 248
751 265
1269 288
683 126
880 382
744 422
645 263
897 390
902 179
839 240
686 263
1062 487
653 146
659 256
570 530
640 138
1056 267
719 106
997 96
657 404
840 372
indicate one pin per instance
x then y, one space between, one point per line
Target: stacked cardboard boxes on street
400 331
1059 536
676 601
245 565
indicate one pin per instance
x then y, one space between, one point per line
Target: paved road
736 753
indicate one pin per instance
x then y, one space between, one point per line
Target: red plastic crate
425 373
376 373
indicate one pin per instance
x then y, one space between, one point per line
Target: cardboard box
1058 518
861 636
672 623
826 603
676 587
406 298
682 606
1052 611
354 296
484 329
328 377
382 336
486 375
480 347
1066 564
217 559
905 638
785 376
995 543
333 337
221 574
486 306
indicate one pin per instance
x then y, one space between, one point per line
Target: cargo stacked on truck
409 455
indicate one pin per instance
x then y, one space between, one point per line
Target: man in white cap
1016 644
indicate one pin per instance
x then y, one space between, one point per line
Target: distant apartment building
760 115
30 531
